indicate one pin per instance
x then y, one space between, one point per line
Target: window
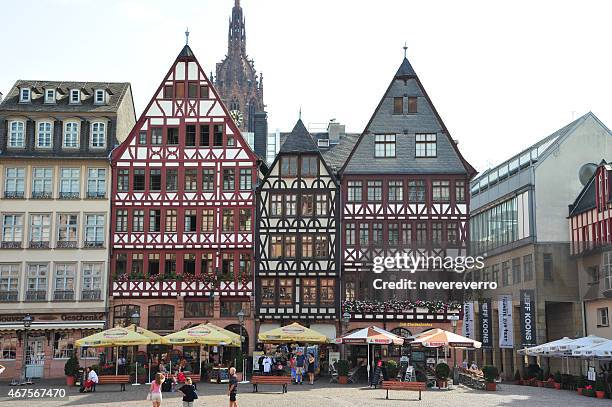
440 191
206 263
398 105
70 183
168 91
189 263
412 104
289 166
231 141
161 318
208 180
218 135
416 191
276 205
285 291
198 309
208 220
123 180
98 135
290 205
349 233
42 179
451 233
228 179
156 136
63 284
71 135
172 136
8 348
9 282
310 166
138 220
244 224
377 233
170 264
122 314
459 191
495 273
139 180
190 219
602 317
246 179
421 233
63 347
307 246
192 90
384 145
155 180
244 263
364 234
122 221
374 191
137 266
327 292
96 182
309 291
607 270
142 137
100 97
228 220
548 266
40 230
94 230
227 266
426 145
393 238
396 191
120 264
154 220
37 282
204 135
204 92
321 208
170 220
179 90
190 135
276 247
14 182
75 96
289 246
268 291
307 205
16 137
171 179
12 230
49 95
191 180
436 232
355 191
407 233
44 135
516 270
320 247
25 95
505 272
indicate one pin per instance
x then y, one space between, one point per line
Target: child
189 393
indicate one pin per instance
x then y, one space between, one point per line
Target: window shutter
29 135
85 133
57 136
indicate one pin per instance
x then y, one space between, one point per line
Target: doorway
35 357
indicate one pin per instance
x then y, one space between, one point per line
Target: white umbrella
554 347
583 342
601 350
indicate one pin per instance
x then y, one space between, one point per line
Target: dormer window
49 95
100 97
75 96
25 95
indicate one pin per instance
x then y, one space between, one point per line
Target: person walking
189 393
311 368
155 391
300 361
233 387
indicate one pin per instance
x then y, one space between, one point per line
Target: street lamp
455 373
27 322
135 319
240 316
346 318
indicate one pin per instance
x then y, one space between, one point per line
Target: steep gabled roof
405 69
587 198
299 140
336 156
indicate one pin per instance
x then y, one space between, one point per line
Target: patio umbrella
436 338
236 339
586 341
601 350
156 339
199 335
292 333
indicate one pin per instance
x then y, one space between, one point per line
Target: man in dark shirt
300 361
233 387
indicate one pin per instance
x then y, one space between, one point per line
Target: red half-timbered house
182 209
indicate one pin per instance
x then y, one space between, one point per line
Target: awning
268 327
328 330
45 326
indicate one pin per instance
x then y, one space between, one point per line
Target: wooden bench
121 379
272 380
410 386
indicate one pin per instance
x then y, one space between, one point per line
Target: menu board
219 375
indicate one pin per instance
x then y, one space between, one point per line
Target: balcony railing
91 295
171 288
63 295
14 194
69 195
96 195
8 296
10 245
39 245
67 244
92 245
36 295
42 195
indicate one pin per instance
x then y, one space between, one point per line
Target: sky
502 75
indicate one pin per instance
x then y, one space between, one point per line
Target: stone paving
320 395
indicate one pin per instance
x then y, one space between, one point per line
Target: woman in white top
92 379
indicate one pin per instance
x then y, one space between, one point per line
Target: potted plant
343 371
558 380
588 391
580 383
600 388
392 369
490 374
71 369
442 374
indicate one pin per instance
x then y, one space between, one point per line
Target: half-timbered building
182 209
297 245
404 190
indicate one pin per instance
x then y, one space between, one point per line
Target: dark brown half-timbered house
404 190
182 209
297 245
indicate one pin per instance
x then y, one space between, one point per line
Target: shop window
161 318
122 314
63 348
198 309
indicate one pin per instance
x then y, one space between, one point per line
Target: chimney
335 130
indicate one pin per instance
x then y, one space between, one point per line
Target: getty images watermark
415 263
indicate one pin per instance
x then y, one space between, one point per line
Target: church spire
237 31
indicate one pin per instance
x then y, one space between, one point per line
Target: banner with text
528 318
486 331
468 320
506 331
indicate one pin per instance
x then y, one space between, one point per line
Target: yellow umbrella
236 339
156 339
113 337
292 333
198 335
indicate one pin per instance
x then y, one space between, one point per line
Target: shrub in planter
343 370
580 383
442 374
588 391
392 369
490 374
71 370
558 380
600 388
